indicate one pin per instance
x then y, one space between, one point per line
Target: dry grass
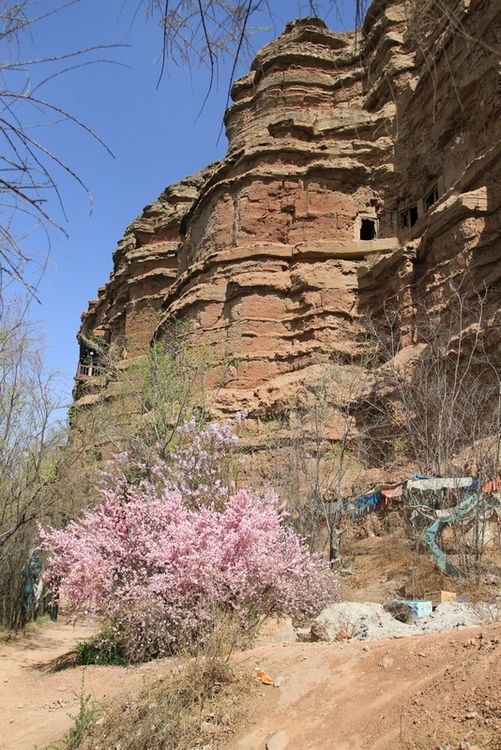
487 612
189 703
199 704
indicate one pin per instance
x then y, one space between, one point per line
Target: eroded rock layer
362 170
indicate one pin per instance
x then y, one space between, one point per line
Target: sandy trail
427 691
35 705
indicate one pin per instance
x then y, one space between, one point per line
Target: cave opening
368 229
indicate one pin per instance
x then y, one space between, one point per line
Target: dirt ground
36 706
430 691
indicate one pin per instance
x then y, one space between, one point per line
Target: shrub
99 650
152 571
203 464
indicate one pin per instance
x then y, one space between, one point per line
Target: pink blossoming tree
153 567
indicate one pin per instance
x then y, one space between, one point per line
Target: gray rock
367 620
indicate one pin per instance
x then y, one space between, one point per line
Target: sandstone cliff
362 174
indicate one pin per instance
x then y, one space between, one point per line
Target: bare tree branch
29 170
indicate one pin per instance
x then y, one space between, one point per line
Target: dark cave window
368 229
430 198
408 217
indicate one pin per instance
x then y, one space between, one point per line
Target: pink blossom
152 562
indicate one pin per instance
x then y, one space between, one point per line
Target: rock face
362 170
125 314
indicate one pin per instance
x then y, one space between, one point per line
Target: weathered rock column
268 266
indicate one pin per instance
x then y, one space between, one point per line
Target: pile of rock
368 620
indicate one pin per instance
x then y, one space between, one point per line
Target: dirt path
420 692
430 691
34 704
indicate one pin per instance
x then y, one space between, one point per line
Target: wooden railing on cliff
89 370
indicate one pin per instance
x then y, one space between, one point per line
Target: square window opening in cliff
430 198
409 217
368 229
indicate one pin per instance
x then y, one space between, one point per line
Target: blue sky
157 136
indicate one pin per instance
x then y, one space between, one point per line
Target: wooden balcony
89 371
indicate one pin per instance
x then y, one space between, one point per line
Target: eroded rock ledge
362 170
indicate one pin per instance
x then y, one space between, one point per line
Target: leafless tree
440 397
319 445
30 171
31 443
206 31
